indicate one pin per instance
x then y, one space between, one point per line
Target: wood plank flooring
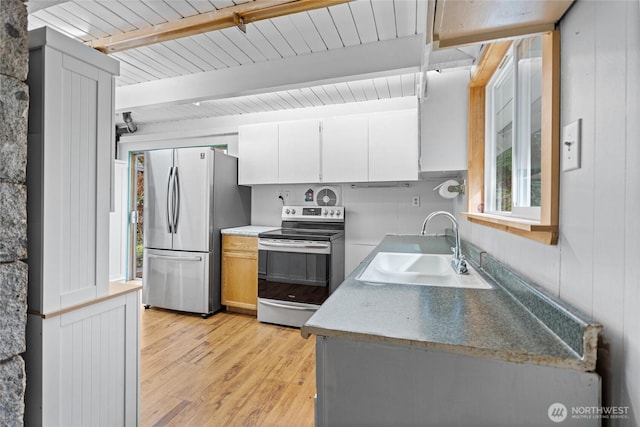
227 370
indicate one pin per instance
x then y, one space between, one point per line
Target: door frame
132 230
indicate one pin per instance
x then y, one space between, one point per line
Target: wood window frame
545 230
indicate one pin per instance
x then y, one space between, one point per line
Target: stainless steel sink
419 269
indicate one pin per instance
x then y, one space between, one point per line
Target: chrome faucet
458 261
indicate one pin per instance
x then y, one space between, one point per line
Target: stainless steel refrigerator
190 194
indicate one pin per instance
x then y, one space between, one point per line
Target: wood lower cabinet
240 271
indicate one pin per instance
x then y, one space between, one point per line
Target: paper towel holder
450 188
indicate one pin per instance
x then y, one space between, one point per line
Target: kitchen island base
378 383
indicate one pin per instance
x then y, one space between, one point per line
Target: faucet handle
461 265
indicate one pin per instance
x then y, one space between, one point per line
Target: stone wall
14 104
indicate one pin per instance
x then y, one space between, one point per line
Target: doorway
136 208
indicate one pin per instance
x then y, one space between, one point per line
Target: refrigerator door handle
176 199
176 258
168 208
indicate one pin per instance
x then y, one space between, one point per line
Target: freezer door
176 280
193 187
158 166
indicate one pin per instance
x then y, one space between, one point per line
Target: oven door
293 270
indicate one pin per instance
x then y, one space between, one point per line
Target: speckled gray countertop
478 322
248 230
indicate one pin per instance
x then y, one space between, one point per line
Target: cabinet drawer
239 243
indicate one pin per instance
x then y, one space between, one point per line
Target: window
514 138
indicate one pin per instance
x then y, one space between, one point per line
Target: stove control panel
313 213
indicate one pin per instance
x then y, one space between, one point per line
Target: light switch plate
571 142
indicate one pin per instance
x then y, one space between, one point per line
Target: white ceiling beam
396 56
450 58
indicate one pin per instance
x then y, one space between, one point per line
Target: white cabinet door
84 365
258 154
299 151
393 146
345 149
69 171
118 224
444 116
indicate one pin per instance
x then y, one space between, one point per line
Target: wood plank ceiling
348 52
341 26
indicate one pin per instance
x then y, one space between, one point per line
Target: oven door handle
288 307
295 247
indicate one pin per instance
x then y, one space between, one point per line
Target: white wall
370 213
593 267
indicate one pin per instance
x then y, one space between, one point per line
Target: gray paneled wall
14 105
594 265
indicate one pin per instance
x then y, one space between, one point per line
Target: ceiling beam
449 58
458 23
244 13
395 56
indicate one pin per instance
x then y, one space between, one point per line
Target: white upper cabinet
353 148
258 154
444 122
71 138
299 151
345 149
393 146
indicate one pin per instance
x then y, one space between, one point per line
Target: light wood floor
227 370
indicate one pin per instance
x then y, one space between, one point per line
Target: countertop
116 289
478 322
248 230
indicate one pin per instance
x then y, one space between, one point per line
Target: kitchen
591 265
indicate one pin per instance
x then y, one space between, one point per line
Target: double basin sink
419 269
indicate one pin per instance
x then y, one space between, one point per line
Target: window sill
543 233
